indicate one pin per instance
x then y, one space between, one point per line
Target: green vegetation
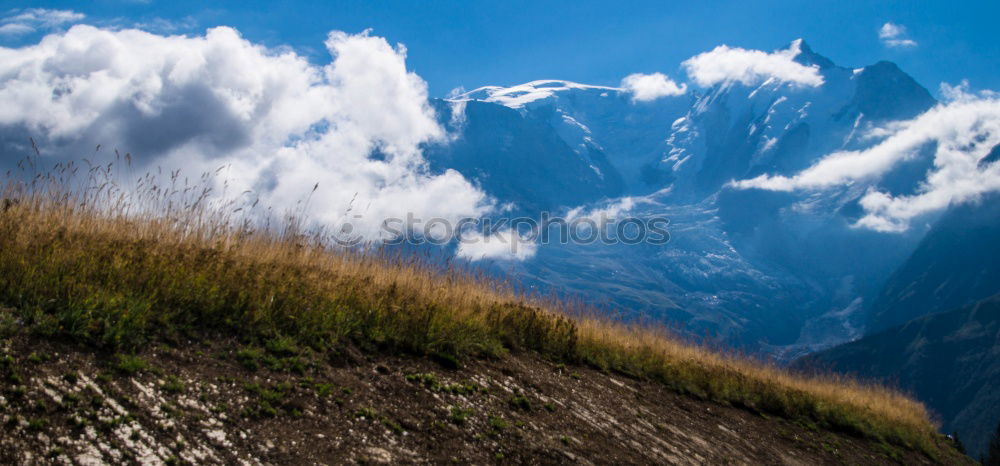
173 385
459 414
269 399
427 380
37 424
520 402
373 415
279 355
130 365
71 378
120 268
498 424
431 382
323 390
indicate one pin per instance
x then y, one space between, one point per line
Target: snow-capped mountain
596 121
782 272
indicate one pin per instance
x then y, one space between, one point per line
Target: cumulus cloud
502 245
728 64
962 133
278 122
648 87
894 35
25 21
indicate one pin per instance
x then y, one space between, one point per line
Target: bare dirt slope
227 403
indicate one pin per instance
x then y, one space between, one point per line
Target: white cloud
15 29
962 93
900 43
167 26
725 64
502 245
44 17
280 123
961 132
894 35
28 20
890 31
648 87
610 211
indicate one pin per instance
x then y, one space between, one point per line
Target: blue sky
470 44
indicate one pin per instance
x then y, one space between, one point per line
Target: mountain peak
807 56
886 92
520 95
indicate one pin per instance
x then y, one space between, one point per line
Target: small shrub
372 415
498 423
427 379
446 360
173 385
459 415
282 346
268 399
129 364
323 390
71 378
70 399
250 358
519 402
37 424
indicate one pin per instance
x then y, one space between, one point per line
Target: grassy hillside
86 259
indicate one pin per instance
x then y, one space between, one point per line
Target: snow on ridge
522 94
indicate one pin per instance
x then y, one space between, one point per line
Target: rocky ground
224 402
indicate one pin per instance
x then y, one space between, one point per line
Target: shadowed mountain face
781 273
949 360
955 264
520 159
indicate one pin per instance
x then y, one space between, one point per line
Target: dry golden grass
84 257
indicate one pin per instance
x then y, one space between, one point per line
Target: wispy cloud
894 35
166 26
25 21
749 67
649 87
15 29
961 133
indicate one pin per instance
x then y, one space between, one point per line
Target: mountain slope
221 402
949 360
955 264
